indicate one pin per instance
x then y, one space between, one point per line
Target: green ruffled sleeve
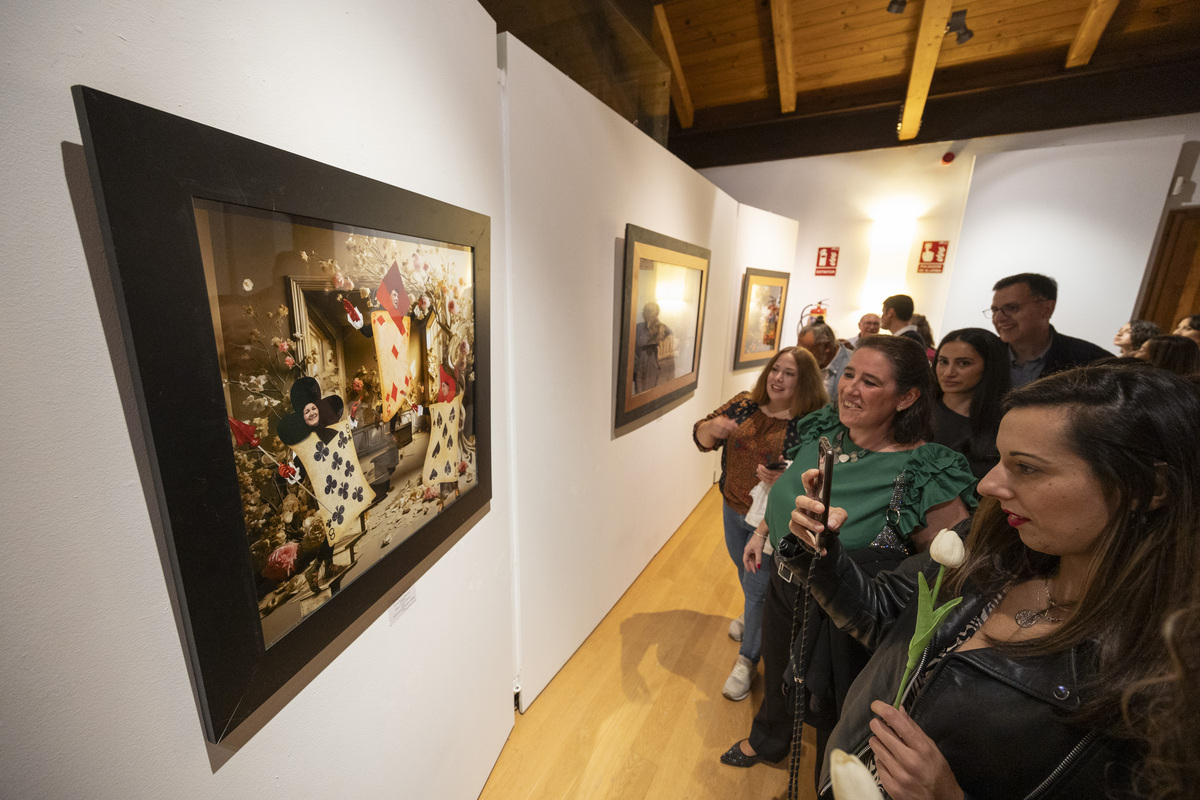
819 423
935 475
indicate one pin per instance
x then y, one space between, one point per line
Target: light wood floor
637 712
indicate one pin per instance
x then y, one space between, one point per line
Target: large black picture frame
646 381
147 169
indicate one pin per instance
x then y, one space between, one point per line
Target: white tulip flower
947 549
851 778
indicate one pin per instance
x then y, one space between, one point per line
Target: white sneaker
737 627
737 685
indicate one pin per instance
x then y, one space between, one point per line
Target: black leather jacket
1001 723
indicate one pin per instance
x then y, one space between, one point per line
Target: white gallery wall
95 698
876 207
764 241
1120 173
1085 214
589 508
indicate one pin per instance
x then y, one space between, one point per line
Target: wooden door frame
1174 275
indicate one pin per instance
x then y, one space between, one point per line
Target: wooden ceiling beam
781 26
1095 20
1068 100
679 89
934 17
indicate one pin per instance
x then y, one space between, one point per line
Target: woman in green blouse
902 490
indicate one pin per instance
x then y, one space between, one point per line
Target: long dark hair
1137 430
995 382
1163 709
1179 354
910 369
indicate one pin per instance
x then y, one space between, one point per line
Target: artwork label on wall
309 350
827 260
760 313
662 320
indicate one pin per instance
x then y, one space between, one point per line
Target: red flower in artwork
282 562
358 384
462 468
291 362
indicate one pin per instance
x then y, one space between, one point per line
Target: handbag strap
889 536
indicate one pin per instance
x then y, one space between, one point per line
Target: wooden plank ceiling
753 80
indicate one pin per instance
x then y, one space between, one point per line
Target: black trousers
834 660
771 733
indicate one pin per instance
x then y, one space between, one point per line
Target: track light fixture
896 6
958 26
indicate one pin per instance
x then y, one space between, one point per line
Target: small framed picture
764 294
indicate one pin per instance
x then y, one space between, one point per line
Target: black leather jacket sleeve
859 605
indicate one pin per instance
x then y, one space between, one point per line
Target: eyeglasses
1009 309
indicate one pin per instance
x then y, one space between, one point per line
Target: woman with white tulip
1089 536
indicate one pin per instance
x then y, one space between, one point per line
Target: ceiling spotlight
958 26
896 6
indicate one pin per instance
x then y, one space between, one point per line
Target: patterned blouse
759 439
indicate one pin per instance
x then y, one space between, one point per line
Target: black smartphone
790 545
825 460
777 465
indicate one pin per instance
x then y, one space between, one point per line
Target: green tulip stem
928 619
903 685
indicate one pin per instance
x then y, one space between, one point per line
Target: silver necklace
844 457
1028 617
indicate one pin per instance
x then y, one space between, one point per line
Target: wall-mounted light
896 6
958 26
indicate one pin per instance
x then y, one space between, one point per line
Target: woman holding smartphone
902 489
753 430
1089 540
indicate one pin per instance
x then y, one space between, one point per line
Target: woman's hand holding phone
806 519
769 473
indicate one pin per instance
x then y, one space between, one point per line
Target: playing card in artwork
391 351
336 479
443 457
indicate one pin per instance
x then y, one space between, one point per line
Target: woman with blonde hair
754 430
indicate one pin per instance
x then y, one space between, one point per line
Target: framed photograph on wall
662 319
764 294
309 355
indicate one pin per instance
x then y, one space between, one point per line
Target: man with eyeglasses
1020 312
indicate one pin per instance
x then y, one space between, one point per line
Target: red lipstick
1014 520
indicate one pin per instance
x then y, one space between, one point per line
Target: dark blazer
1066 352
1001 723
